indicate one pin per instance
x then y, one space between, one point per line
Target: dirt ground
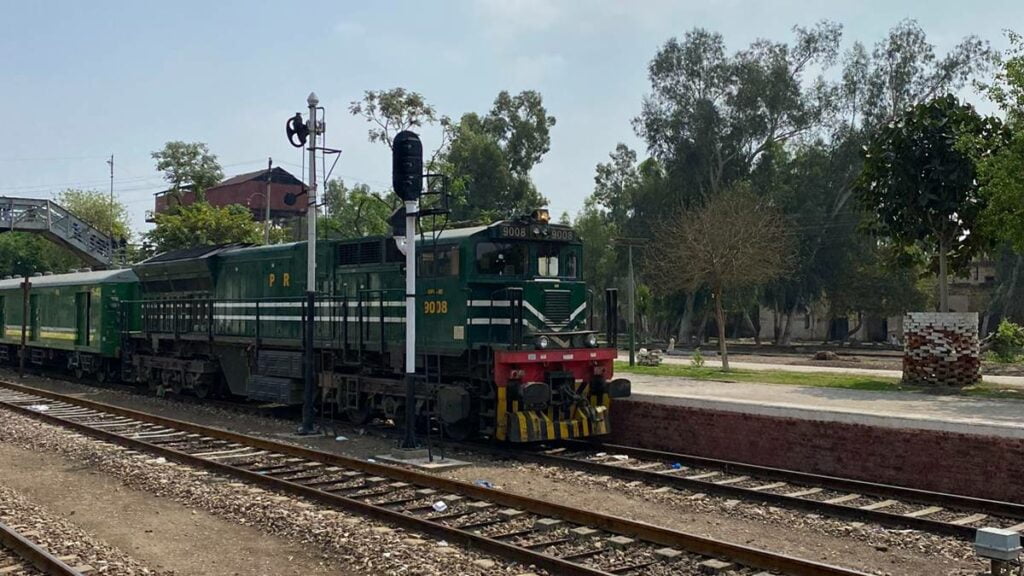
157 531
802 539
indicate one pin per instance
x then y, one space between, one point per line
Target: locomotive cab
530 309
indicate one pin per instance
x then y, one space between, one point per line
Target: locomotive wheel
202 390
359 416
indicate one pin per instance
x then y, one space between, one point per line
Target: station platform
944 443
889 409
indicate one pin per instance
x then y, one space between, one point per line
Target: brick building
249 190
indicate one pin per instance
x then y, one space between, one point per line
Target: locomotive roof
74 279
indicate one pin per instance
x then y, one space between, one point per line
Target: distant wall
981 466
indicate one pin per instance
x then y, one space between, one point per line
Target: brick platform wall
981 466
941 349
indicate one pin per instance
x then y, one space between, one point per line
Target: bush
1008 341
697 360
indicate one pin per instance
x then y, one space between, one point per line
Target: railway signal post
407 179
309 371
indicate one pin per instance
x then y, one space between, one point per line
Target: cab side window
443 261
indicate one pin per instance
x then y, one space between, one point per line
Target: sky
80 81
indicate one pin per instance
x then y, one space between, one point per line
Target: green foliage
355 212
921 184
1008 341
1000 171
490 158
188 163
201 224
710 115
697 359
391 111
904 70
95 208
24 254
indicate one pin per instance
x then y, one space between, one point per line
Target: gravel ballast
361 545
63 539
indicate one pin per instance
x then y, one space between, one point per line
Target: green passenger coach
73 319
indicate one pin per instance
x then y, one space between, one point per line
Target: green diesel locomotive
505 346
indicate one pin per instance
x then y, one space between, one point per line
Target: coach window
501 258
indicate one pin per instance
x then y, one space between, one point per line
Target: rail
856 500
553 537
32 554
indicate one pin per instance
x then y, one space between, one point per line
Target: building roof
278 176
74 279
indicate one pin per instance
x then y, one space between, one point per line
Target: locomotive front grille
556 305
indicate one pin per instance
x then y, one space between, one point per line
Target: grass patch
817 379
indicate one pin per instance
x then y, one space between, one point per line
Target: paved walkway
759 366
887 409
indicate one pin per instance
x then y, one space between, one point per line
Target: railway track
894 506
22 557
550 536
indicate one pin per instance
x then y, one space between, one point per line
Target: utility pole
632 310
629 243
113 213
266 202
310 370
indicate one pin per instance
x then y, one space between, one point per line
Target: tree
490 158
522 125
354 212
200 224
710 115
904 71
392 111
1000 171
921 184
188 164
95 208
735 241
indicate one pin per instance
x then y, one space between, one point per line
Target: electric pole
266 202
310 370
113 213
632 310
630 243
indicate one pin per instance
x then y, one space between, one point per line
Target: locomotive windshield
514 259
556 261
501 258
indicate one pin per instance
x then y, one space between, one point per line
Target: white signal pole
309 389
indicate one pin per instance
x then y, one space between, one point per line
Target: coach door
33 317
83 302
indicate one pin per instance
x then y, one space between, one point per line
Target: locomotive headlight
591 340
543 342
